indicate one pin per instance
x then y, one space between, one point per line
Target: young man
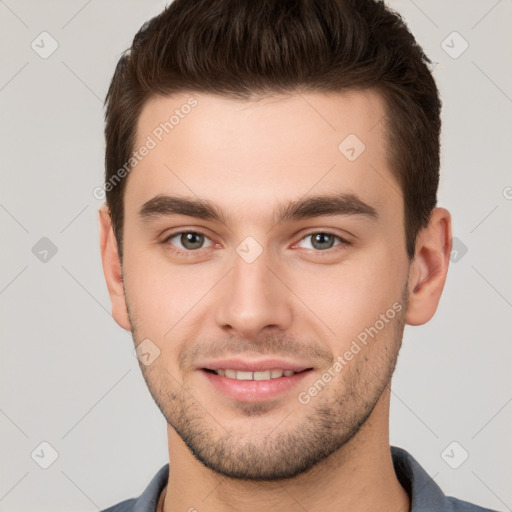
270 227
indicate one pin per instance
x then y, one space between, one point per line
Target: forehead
249 154
216 121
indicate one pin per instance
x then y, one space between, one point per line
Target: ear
427 273
112 269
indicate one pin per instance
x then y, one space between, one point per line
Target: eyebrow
304 208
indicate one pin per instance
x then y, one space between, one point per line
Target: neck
358 477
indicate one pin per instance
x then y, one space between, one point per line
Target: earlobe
428 271
112 269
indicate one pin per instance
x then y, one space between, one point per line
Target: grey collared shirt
425 494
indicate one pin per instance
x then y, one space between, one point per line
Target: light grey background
67 372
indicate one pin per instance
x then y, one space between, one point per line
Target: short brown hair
243 48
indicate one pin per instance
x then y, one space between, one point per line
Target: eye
190 241
187 241
322 241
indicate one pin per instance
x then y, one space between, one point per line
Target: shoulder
124 506
457 505
425 494
148 500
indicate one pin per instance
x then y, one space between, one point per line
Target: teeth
263 375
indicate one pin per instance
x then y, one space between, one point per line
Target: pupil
321 238
192 240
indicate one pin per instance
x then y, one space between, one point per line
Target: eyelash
343 242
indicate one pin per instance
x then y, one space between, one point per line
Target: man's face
259 291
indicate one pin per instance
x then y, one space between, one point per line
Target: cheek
351 296
150 294
163 297
159 307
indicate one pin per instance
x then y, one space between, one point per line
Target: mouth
254 382
258 375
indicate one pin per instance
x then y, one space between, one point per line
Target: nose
253 299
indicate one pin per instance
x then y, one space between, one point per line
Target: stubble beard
319 429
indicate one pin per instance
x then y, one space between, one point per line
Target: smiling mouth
260 375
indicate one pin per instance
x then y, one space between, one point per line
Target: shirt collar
425 494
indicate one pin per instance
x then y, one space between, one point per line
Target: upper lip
254 365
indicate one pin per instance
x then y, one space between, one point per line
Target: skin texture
301 300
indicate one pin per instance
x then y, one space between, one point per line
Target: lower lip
254 390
